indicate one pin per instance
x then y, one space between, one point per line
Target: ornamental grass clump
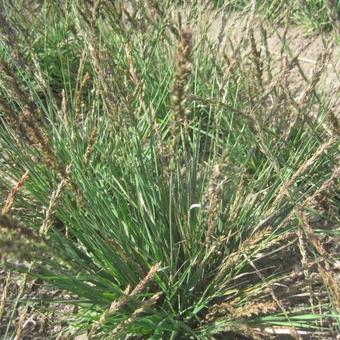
158 185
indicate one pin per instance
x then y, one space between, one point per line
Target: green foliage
156 155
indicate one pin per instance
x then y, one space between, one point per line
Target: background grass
169 177
313 16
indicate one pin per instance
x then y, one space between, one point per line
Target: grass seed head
20 329
334 123
52 206
285 189
213 196
122 301
144 306
90 146
256 57
11 197
4 294
179 110
245 247
334 15
317 72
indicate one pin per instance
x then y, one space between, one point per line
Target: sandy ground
235 27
